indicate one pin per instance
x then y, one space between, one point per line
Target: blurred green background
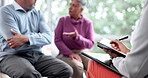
112 19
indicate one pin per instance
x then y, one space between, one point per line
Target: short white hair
82 3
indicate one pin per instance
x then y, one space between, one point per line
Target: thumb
76 31
13 32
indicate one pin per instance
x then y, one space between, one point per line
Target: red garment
96 70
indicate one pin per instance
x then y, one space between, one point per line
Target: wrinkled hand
76 56
16 40
119 46
71 34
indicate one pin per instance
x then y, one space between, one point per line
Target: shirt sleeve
43 36
39 38
58 39
119 64
7 22
88 40
134 65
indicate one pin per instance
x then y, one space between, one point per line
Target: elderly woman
73 34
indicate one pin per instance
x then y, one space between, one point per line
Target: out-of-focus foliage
116 17
110 17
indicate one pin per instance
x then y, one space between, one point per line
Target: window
111 18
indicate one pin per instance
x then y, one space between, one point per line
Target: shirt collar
79 21
17 6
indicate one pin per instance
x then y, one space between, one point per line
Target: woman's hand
71 34
76 57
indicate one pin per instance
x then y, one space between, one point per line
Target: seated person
23 31
73 34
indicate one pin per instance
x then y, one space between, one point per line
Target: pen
120 39
123 38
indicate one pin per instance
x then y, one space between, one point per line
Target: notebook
105 44
102 63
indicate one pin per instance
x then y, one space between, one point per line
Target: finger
72 57
76 31
9 44
113 45
79 59
10 38
8 41
13 32
113 55
66 34
107 51
12 46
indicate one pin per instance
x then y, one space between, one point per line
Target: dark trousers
34 65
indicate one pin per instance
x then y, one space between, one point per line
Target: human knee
66 72
78 67
29 73
69 71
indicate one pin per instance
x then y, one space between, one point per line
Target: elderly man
22 34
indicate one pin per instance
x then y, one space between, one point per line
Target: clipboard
105 44
102 63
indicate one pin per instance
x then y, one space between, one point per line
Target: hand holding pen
123 38
118 45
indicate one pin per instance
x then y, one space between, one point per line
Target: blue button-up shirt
30 23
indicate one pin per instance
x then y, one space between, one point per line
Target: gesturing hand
71 34
16 40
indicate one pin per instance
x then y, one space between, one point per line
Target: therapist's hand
112 55
119 46
16 40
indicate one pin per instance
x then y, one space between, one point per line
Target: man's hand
16 40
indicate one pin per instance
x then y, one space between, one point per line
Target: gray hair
82 3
